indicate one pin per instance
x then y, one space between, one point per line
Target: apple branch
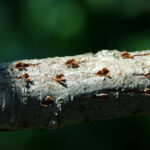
54 92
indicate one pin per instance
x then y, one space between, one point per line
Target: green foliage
62 19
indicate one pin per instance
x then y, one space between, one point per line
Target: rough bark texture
53 92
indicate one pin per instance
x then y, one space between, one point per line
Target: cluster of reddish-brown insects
23 66
72 63
126 55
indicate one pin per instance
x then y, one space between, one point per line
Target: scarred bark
54 92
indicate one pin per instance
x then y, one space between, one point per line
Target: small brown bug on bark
126 55
72 63
23 66
29 82
23 76
48 101
60 79
103 72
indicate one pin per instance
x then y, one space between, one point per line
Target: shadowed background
47 28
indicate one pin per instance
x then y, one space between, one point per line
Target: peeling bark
54 92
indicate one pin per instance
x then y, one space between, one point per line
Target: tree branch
54 92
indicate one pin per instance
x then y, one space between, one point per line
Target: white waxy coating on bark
83 78
81 82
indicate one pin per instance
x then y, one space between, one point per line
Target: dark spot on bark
29 82
60 78
72 63
11 69
48 101
103 72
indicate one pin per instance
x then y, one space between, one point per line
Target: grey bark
54 92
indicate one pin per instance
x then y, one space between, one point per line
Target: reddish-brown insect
103 72
48 101
126 55
72 63
23 76
29 80
59 78
23 66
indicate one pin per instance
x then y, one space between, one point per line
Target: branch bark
54 92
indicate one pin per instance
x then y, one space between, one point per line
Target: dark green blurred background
47 28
